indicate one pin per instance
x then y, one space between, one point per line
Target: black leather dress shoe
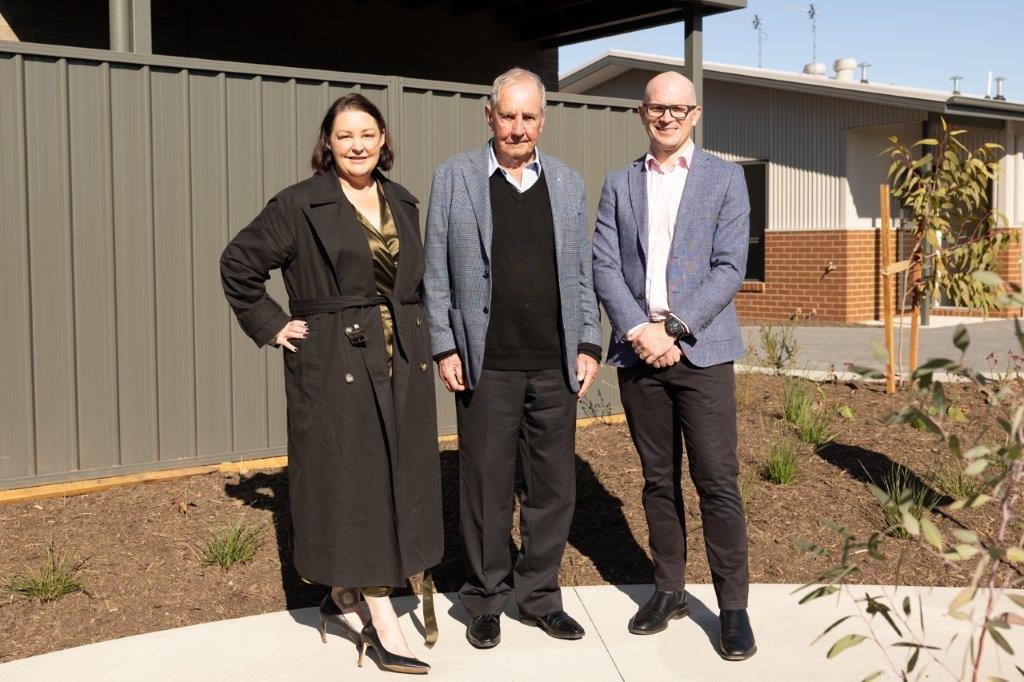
655 614
737 638
557 624
484 632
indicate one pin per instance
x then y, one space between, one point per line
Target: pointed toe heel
385 659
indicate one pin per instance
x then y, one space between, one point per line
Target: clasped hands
654 345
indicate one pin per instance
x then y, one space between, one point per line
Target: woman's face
356 141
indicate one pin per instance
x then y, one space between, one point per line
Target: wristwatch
675 327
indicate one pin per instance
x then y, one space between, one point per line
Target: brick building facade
812 149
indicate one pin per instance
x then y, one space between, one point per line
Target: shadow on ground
868 466
599 530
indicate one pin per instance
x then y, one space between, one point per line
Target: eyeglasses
678 111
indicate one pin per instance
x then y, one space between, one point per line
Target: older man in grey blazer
516 332
670 251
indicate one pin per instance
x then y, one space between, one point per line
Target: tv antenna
757 23
812 13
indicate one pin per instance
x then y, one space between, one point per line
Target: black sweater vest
524 331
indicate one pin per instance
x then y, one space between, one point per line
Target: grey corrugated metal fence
121 179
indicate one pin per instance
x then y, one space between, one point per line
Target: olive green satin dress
384 250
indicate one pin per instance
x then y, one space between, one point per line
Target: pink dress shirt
665 185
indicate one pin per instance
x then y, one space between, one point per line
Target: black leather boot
484 632
737 638
655 614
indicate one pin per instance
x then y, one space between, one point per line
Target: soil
142 570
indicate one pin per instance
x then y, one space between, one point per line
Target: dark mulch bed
143 572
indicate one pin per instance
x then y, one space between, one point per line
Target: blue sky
919 43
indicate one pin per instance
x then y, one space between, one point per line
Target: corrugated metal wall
121 179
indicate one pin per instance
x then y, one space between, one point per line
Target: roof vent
956 83
999 88
815 68
864 71
844 68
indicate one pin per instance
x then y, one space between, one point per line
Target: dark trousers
532 413
664 408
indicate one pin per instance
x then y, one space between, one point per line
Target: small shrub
797 401
779 348
956 483
814 428
235 544
902 488
57 577
780 468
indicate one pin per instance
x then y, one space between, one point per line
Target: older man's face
516 121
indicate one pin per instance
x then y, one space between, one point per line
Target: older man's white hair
516 75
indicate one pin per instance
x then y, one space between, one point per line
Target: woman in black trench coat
363 468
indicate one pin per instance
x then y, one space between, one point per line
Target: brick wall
832 276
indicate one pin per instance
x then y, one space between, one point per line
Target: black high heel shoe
385 659
331 614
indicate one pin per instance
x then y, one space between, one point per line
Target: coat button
423 367
419 321
349 378
486 310
639 297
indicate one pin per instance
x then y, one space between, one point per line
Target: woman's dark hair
323 158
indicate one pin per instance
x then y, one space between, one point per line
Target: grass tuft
236 544
956 483
780 467
816 425
797 400
56 578
902 487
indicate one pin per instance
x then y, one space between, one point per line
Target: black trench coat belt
333 304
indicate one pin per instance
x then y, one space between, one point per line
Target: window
756 173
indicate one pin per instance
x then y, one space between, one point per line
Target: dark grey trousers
695 405
532 413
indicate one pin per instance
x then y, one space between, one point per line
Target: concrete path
824 348
286 645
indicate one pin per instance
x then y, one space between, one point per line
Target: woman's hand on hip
296 329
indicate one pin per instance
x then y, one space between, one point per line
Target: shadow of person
269 490
706 619
868 466
601 533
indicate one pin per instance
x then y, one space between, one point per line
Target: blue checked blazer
706 263
457 249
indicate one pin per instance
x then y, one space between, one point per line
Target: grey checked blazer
706 264
457 249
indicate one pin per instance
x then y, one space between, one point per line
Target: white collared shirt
531 171
664 194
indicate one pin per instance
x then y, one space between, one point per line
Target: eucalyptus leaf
845 643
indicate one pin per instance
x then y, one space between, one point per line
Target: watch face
673 327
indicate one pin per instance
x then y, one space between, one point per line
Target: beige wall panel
214 323
134 265
94 266
245 199
17 409
172 216
52 288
